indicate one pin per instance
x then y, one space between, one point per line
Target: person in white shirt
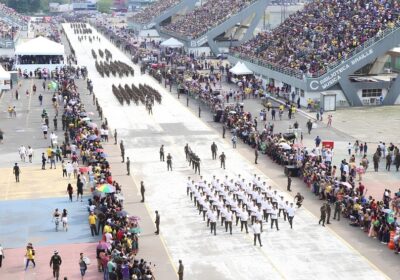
244 216
228 221
257 233
1 255
188 184
349 147
274 217
30 153
290 212
223 211
281 207
53 139
109 238
259 217
22 152
213 222
275 198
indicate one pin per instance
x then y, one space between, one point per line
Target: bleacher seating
204 18
153 10
324 32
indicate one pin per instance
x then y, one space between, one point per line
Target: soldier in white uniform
244 217
257 233
228 221
213 222
290 212
274 217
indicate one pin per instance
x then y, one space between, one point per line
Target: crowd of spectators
153 10
82 146
209 15
13 15
337 185
322 33
7 31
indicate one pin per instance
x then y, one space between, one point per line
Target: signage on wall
199 42
335 77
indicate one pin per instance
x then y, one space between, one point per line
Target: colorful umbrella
92 137
83 169
122 213
135 230
92 125
106 188
134 218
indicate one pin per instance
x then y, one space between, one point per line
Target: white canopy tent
39 52
5 79
172 43
39 46
240 69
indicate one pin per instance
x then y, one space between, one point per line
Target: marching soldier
187 151
214 150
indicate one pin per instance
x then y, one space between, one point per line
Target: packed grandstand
10 22
311 40
154 10
203 18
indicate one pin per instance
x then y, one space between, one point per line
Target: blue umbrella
92 137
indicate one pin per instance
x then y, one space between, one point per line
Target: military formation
193 159
114 68
143 94
81 28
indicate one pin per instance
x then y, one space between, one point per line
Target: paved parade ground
308 251
307 248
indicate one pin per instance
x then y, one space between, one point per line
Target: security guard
214 150
162 153
169 162
222 158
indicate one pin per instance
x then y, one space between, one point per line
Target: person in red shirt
361 188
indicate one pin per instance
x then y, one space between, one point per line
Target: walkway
308 248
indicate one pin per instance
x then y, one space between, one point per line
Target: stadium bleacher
324 32
206 17
154 10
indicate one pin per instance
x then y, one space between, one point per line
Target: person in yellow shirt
30 255
107 229
92 223
48 152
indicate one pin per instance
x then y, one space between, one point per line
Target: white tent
39 46
240 69
5 78
4 75
172 43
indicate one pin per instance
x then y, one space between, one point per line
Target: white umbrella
285 146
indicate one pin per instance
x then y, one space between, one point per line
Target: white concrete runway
308 251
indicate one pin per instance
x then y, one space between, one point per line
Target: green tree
23 6
104 6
